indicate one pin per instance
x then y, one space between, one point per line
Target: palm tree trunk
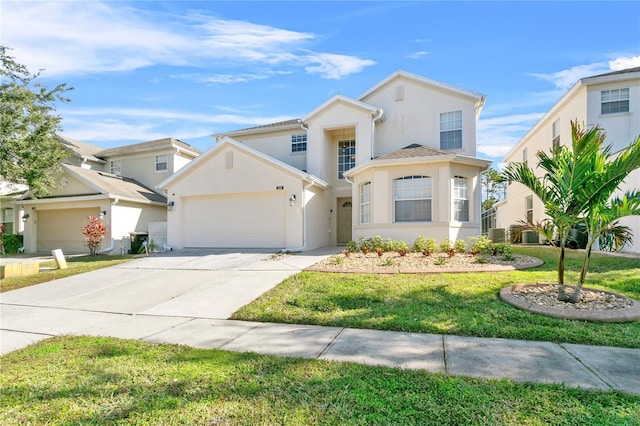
562 296
575 297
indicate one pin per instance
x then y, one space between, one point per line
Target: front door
344 220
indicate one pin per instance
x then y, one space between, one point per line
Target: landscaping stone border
629 314
442 270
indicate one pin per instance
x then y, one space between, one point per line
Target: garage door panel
256 221
61 229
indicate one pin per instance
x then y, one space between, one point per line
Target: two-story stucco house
116 184
611 101
398 161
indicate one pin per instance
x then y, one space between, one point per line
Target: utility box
497 235
530 237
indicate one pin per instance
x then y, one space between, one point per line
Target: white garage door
255 221
61 229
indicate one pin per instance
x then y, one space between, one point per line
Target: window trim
428 180
345 166
456 199
528 208
165 162
620 101
299 143
555 134
449 124
112 169
7 216
365 204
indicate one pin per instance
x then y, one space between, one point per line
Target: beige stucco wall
231 171
585 106
512 210
278 145
127 217
142 166
326 128
442 224
416 117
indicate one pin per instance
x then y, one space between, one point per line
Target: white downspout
304 221
113 241
373 132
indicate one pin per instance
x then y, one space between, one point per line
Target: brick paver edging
628 314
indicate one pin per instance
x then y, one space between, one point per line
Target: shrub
352 246
379 251
460 246
481 259
93 233
419 245
402 248
501 249
445 245
12 242
480 245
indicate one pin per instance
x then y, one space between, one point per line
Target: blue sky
151 69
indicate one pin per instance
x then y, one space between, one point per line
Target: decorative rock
594 305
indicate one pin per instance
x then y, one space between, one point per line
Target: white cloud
418 55
497 135
335 66
66 38
564 79
624 62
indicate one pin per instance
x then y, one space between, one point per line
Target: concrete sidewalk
186 298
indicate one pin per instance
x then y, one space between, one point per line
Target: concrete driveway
158 291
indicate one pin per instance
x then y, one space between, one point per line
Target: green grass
85 380
463 304
77 265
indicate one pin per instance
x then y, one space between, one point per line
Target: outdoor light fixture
103 213
170 205
25 217
292 200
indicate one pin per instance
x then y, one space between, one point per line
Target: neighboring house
115 184
611 101
398 161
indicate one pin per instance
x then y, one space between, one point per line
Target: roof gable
343 99
400 74
81 149
114 186
227 141
158 144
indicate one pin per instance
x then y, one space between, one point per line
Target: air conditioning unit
530 237
497 235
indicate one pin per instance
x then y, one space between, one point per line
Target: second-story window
555 130
615 100
115 167
346 156
451 130
298 143
162 163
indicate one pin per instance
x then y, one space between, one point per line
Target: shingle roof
619 72
81 149
144 146
117 185
413 151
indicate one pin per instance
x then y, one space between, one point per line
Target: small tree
94 233
575 188
30 152
493 188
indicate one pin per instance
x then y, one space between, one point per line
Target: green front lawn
463 304
77 265
86 380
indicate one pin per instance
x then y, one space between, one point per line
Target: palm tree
576 185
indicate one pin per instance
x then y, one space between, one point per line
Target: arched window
365 202
460 199
412 199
